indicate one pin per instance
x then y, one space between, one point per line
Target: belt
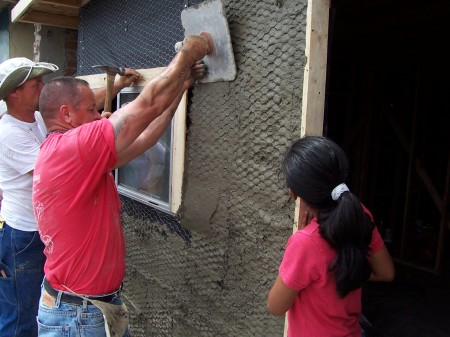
69 298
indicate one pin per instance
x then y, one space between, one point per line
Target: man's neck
24 115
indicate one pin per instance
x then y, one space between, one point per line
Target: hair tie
338 190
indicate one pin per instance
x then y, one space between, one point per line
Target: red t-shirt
77 209
317 310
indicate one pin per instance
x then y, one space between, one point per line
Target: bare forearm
150 136
130 121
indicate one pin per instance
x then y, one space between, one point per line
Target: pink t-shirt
317 310
77 209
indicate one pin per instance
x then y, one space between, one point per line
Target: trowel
209 16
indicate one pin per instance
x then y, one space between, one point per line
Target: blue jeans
67 319
22 259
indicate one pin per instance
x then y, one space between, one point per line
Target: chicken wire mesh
137 34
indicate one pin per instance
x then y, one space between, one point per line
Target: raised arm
155 130
159 94
150 135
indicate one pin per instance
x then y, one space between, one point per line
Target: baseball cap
15 71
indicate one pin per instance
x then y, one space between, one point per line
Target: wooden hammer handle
109 92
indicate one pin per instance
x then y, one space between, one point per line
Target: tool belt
69 298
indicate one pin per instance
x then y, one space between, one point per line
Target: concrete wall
46 44
235 202
21 40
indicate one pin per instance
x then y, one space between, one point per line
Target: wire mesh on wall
142 211
138 34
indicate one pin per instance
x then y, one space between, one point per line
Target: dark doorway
387 105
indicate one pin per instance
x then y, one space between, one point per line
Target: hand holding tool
110 76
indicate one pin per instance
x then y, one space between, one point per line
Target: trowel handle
109 91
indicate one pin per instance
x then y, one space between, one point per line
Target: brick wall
70 47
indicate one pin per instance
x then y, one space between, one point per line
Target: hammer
110 76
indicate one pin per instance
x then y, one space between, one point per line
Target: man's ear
292 194
64 114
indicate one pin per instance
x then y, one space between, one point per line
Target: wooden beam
54 9
99 80
178 155
20 8
51 19
314 79
316 68
63 3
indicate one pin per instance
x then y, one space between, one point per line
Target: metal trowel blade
209 16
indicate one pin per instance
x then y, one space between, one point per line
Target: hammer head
111 70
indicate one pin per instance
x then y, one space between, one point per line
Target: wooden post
313 103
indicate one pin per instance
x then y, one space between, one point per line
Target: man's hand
201 44
106 114
198 71
130 75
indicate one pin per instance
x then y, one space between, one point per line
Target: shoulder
9 126
307 235
93 131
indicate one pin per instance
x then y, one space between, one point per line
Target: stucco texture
235 203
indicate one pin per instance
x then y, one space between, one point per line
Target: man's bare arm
158 95
157 127
150 135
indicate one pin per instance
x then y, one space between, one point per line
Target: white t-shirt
19 147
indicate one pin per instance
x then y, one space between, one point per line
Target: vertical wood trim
314 80
178 154
316 67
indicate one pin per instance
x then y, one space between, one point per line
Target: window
154 178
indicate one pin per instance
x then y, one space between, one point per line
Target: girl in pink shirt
335 251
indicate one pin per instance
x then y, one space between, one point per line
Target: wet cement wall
234 202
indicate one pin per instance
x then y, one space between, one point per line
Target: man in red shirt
75 199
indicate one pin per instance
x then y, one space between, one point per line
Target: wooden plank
314 80
20 8
54 9
316 68
178 155
50 19
63 3
99 80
